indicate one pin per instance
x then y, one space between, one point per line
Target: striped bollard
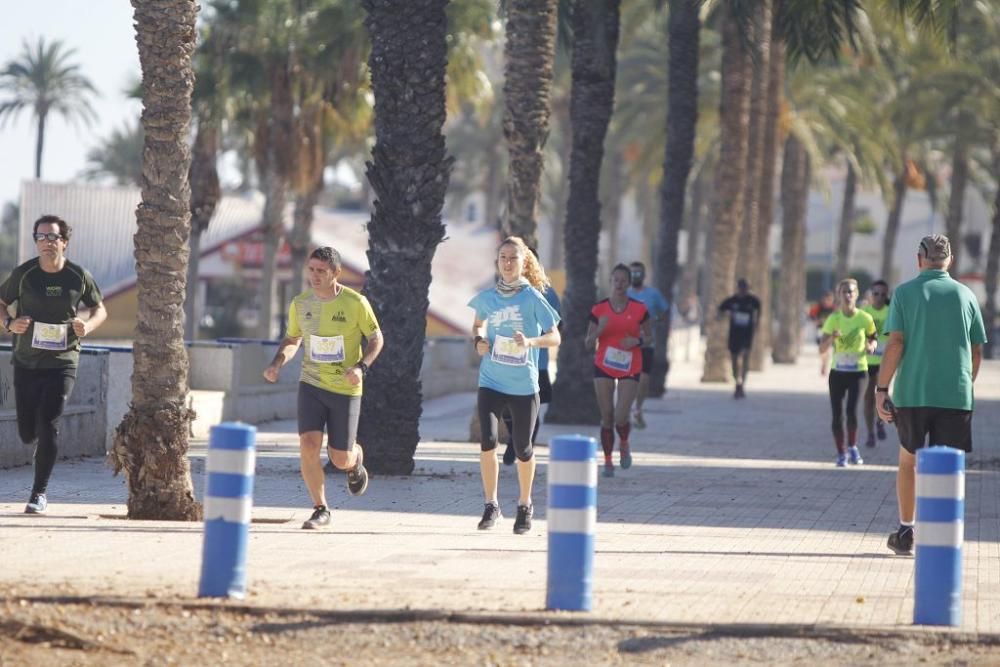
572 519
228 500
940 528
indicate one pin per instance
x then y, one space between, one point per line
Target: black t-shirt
743 313
49 299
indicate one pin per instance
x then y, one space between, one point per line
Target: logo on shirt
339 317
53 290
309 315
511 314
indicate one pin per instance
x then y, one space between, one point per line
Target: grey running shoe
901 541
37 504
320 519
357 477
609 469
491 516
522 524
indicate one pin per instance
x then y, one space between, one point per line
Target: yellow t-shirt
849 349
331 333
880 315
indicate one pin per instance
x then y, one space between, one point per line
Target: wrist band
363 367
476 340
881 390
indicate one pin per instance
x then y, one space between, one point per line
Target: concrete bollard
940 528
572 519
229 472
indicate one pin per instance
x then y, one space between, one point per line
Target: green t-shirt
331 333
880 315
51 301
849 348
940 321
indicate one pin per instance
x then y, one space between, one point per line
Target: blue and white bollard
572 520
228 500
939 532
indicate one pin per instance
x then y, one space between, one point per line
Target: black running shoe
522 523
880 429
902 541
37 504
491 516
357 477
320 519
509 455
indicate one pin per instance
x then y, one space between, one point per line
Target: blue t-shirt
507 367
656 304
553 299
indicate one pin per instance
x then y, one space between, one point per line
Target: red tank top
610 356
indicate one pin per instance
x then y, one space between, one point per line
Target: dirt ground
111 632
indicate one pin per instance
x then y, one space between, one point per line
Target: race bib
879 348
507 352
326 349
846 361
49 336
741 319
619 360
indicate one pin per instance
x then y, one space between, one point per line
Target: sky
101 33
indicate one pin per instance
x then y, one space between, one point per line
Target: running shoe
870 442
609 469
901 541
522 523
739 393
638 419
320 519
509 455
880 429
625 457
491 516
37 504
841 460
854 456
357 477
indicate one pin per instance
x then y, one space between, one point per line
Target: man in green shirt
330 320
936 335
49 292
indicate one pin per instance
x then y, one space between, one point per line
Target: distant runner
744 317
659 309
879 310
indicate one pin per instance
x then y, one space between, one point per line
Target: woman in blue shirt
513 320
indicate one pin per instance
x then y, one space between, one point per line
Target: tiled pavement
732 513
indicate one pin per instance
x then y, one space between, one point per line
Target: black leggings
524 413
845 383
40 395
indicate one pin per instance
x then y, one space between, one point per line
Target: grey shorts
337 414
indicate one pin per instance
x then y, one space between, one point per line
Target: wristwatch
881 390
6 323
363 367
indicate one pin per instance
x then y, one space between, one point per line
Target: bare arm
825 342
95 318
977 360
286 350
890 362
482 344
590 340
373 346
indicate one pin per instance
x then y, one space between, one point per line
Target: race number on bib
741 319
506 351
619 360
326 349
49 336
846 361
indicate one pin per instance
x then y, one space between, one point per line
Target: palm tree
992 267
795 179
528 73
595 26
44 79
409 175
151 443
119 156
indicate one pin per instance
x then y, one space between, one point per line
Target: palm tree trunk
39 144
203 179
846 224
795 178
959 178
557 258
612 185
409 174
684 35
301 236
727 211
892 224
761 278
151 442
595 40
273 228
992 270
530 56
693 219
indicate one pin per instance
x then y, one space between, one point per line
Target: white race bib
619 360
506 351
846 361
49 336
879 348
740 318
326 349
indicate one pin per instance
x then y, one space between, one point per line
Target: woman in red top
618 325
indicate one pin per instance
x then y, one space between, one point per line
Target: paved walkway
732 513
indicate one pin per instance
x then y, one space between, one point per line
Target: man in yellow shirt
330 320
878 308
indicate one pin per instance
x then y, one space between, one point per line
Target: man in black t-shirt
48 293
744 315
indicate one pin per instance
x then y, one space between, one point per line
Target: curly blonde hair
532 269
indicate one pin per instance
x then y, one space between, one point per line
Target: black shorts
944 426
648 358
337 413
873 372
740 342
598 373
544 386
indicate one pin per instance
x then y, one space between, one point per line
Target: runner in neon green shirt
879 310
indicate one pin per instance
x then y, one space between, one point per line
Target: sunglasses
51 236
880 294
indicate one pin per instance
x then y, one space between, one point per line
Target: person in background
659 309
